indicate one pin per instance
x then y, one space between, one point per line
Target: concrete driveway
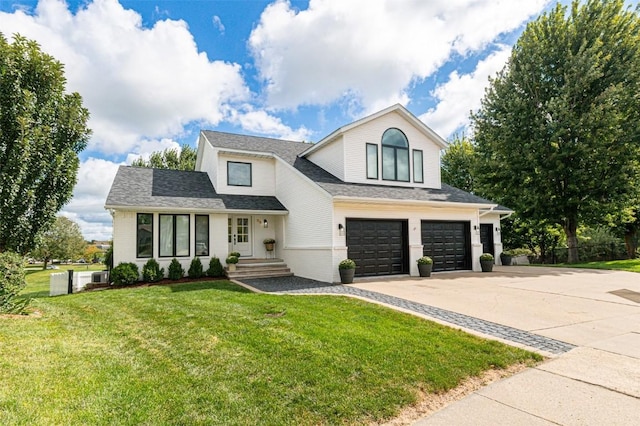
597 383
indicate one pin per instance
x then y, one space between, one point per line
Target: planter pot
346 275
505 260
269 246
486 265
424 269
231 267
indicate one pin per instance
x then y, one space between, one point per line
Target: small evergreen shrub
176 271
12 282
125 274
347 264
234 254
232 260
195 269
152 271
215 268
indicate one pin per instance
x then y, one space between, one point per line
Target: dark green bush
215 268
108 257
12 282
195 269
176 271
125 274
152 271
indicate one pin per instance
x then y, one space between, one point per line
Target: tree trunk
630 243
570 229
44 263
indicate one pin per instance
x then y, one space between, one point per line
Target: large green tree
42 130
557 135
457 164
170 158
63 240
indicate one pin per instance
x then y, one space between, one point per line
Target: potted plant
231 262
235 253
425 263
486 262
347 269
269 243
506 256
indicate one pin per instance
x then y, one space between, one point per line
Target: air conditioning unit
99 277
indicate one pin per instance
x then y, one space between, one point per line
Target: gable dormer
391 147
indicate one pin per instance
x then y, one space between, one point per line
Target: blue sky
153 73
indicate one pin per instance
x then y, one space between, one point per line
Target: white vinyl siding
262 175
355 152
332 158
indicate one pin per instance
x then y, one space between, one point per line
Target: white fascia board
199 154
149 209
436 204
243 153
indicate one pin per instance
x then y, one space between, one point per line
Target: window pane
372 161
239 174
166 235
402 164
202 235
418 176
388 163
145 235
394 137
230 229
182 235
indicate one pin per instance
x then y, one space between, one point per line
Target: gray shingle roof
143 187
288 151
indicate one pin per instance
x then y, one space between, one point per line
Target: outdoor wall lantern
340 229
265 224
498 229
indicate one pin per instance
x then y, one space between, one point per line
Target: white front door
240 235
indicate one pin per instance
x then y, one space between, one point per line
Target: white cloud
217 23
137 82
462 93
87 206
370 50
263 123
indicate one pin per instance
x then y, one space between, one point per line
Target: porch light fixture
265 224
340 229
498 229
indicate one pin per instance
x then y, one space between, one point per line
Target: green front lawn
213 353
631 265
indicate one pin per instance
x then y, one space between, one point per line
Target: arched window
395 155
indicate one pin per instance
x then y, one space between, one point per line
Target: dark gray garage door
379 247
448 244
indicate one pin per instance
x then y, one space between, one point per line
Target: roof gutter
113 208
436 204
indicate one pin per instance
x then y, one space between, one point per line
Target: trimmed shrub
125 274
195 269
152 272
215 268
347 264
234 254
176 271
12 282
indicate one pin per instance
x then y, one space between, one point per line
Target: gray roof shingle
159 188
289 151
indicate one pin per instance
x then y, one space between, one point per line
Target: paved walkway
298 285
587 321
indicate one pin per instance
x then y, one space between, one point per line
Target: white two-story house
370 191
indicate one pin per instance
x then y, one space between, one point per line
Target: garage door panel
448 244
379 247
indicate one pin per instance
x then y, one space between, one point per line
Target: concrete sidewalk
597 383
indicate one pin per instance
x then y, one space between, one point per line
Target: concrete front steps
259 268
